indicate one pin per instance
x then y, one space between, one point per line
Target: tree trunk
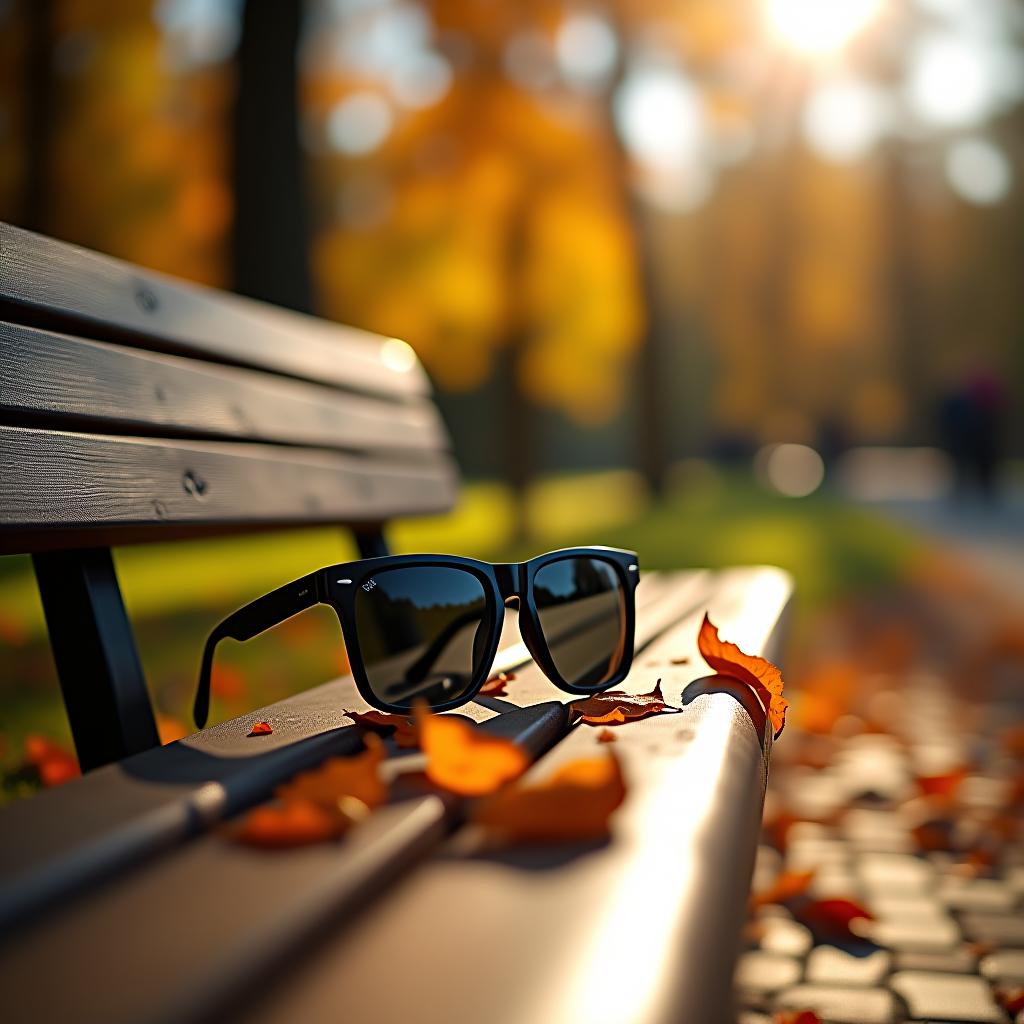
270 240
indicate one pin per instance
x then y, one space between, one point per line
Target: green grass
175 593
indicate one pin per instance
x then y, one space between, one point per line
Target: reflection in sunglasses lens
423 633
582 611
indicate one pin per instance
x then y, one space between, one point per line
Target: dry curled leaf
606 736
760 675
403 726
831 918
261 729
789 885
465 760
616 706
944 786
53 763
495 686
318 805
340 779
296 823
575 803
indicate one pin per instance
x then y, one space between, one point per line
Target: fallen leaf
170 729
616 706
465 760
404 728
261 729
296 823
795 1017
944 786
831 918
1011 999
787 886
53 763
606 736
495 686
339 780
760 675
575 803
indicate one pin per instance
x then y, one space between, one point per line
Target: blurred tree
270 238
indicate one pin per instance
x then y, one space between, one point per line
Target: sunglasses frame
338 585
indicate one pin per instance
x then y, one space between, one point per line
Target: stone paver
830 966
841 1005
977 894
1004 967
1001 929
898 873
761 973
784 936
953 997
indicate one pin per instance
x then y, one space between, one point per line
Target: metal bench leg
94 649
372 543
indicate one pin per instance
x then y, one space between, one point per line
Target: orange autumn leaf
760 675
576 803
261 729
169 729
831 918
495 686
296 823
795 1017
617 707
1011 999
787 886
340 780
945 785
404 728
606 736
53 763
465 760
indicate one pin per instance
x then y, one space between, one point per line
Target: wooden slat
52 284
71 490
54 380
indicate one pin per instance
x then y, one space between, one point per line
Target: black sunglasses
426 627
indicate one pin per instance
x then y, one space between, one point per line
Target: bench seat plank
193 927
76 490
46 283
54 380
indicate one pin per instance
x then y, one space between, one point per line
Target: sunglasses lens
423 633
581 605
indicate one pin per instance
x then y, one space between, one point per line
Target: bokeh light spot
794 470
819 26
359 123
979 172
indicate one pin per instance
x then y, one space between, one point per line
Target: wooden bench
136 408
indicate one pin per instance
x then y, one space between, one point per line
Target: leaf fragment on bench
318 805
465 760
764 678
406 735
576 803
261 729
495 686
617 707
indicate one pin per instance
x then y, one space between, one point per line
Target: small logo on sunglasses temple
369 585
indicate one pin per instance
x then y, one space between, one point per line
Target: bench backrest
136 407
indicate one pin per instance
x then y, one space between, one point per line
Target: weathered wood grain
48 283
54 380
59 488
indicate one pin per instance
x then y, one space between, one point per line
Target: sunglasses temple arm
249 621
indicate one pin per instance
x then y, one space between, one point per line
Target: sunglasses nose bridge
507 575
